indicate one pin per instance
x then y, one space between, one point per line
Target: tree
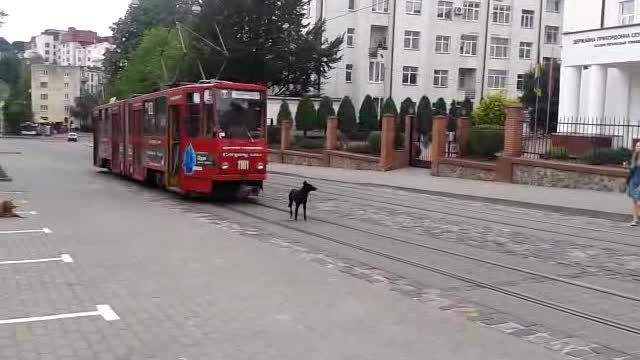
140 17
269 42
17 107
389 107
3 15
368 114
160 49
324 111
425 115
491 110
284 113
407 107
528 98
440 107
467 107
347 122
306 116
454 112
82 109
10 69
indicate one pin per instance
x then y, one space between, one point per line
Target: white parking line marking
27 212
64 258
102 310
43 230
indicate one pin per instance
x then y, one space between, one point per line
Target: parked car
72 137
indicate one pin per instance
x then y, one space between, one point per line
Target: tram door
175 156
116 141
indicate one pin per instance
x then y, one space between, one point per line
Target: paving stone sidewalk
614 206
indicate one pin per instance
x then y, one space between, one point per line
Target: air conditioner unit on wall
458 10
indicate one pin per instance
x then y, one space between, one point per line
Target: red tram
206 138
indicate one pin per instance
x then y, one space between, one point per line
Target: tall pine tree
425 115
284 113
306 116
347 122
324 111
368 114
407 107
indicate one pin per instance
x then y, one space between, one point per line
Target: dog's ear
305 183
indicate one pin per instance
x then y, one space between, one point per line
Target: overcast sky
29 17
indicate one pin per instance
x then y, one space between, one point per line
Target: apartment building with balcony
451 49
71 47
54 89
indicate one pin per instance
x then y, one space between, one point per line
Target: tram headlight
260 166
224 166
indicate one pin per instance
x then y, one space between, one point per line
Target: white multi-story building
70 47
54 89
601 62
452 49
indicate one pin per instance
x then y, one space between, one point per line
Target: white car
72 137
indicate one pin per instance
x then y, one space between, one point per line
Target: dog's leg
290 205
297 207
304 210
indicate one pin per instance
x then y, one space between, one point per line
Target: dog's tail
291 197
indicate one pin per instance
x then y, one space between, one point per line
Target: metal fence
579 136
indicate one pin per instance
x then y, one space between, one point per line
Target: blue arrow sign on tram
189 162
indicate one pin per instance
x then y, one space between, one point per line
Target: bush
310 144
324 111
485 141
284 113
389 107
424 115
375 141
359 148
306 117
347 122
368 114
274 134
607 156
557 153
467 107
407 107
491 110
440 107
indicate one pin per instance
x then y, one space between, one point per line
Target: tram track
378 200
457 276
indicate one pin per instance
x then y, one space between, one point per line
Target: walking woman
633 182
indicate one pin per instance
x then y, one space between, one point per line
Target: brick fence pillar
408 131
387 156
513 131
463 124
285 135
438 141
332 133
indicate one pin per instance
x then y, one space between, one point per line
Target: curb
566 210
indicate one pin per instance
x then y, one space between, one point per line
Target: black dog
300 197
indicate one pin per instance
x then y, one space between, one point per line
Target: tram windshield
240 114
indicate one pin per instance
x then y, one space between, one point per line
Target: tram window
193 115
240 114
161 116
209 115
148 125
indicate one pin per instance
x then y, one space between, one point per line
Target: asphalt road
369 276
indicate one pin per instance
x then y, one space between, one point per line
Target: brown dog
8 209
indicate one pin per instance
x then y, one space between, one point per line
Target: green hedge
485 141
557 153
309 143
607 156
375 141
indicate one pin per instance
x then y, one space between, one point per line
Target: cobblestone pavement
585 257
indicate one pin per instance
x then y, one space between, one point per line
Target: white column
570 85
597 91
624 84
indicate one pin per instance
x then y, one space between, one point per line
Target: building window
350 36
47 45
44 85
520 82
352 5
414 7
469 45
501 14
44 97
380 6
627 12
551 34
412 40
441 78
499 47
547 61
44 73
524 53
66 96
442 44
497 79
527 19
554 5
44 108
409 75
378 101
376 71
66 85
46 52
67 108
445 10
348 73
66 74
471 11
